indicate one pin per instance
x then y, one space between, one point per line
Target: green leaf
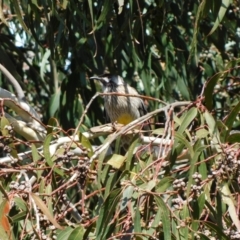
35 155
180 138
201 202
4 235
104 13
183 88
108 208
127 195
102 156
208 92
77 234
158 131
49 202
193 166
210 122
164 184
150 185
188 118
227 198
165 217
41 205
46 151
3 191
19 15
20 204
116 161
155 223
64 234
47 155
52 123
130 154
4 123
234 138
19 217
86 143
203 7
231 118
111 181
137 221
91 10
54 103
213 227
195 215
202 133
224 6
203 237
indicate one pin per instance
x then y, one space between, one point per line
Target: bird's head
108 80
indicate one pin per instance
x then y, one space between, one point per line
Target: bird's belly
125 118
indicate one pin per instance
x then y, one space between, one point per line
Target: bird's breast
121 109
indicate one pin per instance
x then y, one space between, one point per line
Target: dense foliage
57 178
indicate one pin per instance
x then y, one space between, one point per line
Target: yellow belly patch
125 119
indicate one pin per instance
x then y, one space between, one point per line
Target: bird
121 109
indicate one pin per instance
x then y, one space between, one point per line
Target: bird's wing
107 118
143 111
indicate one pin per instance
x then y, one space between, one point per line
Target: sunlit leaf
52 123
54 103
116 161
202 133
227 199
38 201
64 234
137 221
77 233
47 154
86 143
35 154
